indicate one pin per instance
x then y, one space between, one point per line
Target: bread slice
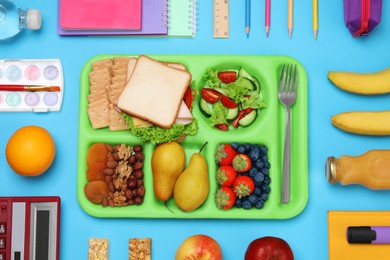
154 92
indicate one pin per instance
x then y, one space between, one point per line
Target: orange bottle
371 169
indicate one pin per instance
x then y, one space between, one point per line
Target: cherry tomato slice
210 95
240 115
227 102
188 97
223 127
227 76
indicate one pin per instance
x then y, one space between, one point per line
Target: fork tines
286 78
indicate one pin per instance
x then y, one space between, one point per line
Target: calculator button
2 255
3 228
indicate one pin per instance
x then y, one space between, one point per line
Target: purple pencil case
362 16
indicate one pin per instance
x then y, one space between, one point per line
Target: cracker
121 60
118 79
99 73
96 95
99 115
117 86
120 66
99 86
101 64
98 249
113 95
140 249
117 121
100 80
120 73
99 103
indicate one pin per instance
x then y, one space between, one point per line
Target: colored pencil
267 16
247 17
290 18
29 88
315 18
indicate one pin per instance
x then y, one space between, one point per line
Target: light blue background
335 49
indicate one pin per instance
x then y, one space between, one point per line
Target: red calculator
29 228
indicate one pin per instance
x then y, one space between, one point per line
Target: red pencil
29 88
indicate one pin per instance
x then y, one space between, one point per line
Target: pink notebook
100 14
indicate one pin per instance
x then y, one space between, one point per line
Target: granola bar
98 249
140 249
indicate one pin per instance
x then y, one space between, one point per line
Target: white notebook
182 18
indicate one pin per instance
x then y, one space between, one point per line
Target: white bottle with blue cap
13 19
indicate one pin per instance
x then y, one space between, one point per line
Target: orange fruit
30 151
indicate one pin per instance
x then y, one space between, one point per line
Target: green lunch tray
267 129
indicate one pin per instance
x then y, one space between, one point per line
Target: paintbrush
32 88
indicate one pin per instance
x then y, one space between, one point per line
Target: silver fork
287 95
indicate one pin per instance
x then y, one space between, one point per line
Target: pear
168 162
192 186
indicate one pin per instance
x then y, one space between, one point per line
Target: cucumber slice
232 113
205 107
248 119
243 73
256 84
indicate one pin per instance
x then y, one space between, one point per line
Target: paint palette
31 73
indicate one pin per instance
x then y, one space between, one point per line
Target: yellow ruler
221 19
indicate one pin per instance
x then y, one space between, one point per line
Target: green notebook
182 16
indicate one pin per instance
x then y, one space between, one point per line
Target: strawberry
226 175
224 154
225 198
242 162
243 186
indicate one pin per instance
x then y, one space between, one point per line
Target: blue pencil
247 17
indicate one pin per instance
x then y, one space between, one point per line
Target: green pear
192 186
168 162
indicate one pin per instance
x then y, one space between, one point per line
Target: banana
364 123
362 83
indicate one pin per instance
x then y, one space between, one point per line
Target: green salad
230 98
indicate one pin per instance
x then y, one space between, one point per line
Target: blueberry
253 198
264 196
265 188
267 180
267 165
246 204
241 149
248 146
264 158
263 149
259 204
264 171
238 203
234 145
259 177
252 172
259 164
257 191
254 154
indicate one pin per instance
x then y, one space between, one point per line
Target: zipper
365 17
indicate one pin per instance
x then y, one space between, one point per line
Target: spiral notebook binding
193 16
165 15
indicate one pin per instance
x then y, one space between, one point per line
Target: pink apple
267 248
199 247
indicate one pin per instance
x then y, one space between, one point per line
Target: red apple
199 247
269 248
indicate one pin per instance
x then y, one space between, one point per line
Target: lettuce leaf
158 135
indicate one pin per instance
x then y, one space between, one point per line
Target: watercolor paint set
31 85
